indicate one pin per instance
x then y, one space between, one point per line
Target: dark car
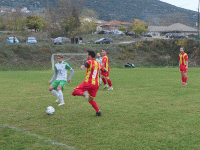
176 35
130 33
147 35
104 41
105 32
168 35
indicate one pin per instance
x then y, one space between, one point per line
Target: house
112 25
177 28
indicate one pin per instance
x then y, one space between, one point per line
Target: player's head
98 55
103 52
90 54
60 58
182 49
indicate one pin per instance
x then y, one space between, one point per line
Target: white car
118 33
31 40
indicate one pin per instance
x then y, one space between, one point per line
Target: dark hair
91 53
104 49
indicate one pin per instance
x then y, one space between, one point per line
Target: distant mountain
154 12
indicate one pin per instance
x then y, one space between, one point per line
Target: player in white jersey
99 59
58 85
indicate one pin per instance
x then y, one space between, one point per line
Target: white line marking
39 137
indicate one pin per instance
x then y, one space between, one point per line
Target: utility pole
198 19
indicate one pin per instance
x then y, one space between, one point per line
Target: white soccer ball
50 110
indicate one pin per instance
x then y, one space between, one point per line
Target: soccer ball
50 110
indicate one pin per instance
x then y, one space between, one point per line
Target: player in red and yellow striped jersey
105 75
183 63
89 87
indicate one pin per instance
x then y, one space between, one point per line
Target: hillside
151 11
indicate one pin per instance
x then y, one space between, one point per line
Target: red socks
109 82
104 80
183 79
94 105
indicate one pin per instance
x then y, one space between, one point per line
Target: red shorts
105 74
183 68
85 86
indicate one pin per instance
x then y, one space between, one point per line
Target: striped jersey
61 70
92 72
105 60
183 58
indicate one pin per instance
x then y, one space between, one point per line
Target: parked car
58 41
105 32
118 33
167 35
104 41
31 40
176 35
130 33
12 40
147 35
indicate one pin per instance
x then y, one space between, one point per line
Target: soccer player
58 85
99 59
183 63
105 75
89 87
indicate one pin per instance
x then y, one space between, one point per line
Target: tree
122 28
35 22
139 27
88 27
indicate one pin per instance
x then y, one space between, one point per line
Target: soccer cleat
105 86
98 113
57 100
61 104
86 94
184 84
111 88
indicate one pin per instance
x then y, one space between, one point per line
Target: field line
35 135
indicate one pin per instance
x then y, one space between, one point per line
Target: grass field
148 109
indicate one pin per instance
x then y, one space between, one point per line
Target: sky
187 4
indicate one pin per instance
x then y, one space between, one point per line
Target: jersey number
94 74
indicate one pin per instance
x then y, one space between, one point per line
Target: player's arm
104 62
54 76
179 61
86 64
71 74
186 64
102 68
186 60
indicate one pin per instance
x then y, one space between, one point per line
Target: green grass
148 109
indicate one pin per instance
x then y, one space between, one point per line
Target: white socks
55 93
100 80
61 96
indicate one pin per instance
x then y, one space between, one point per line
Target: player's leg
53 91
185 77
109 83
182 77
80 90
104 81
92 94
60 88
100 77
